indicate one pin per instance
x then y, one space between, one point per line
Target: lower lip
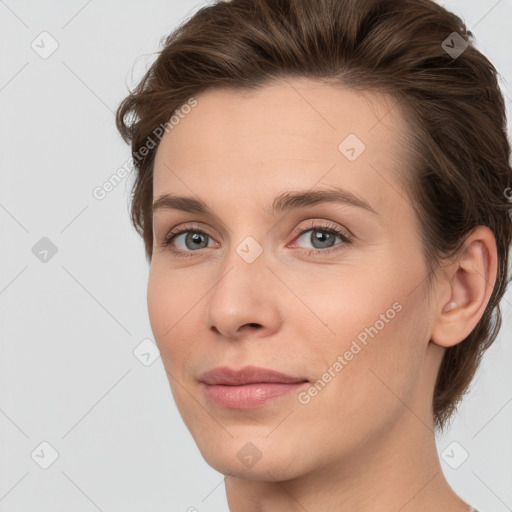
249 396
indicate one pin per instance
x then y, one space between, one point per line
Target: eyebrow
282 203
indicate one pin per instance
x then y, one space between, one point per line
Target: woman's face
330 293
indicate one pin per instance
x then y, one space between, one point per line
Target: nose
244 300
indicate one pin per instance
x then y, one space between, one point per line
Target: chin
253 457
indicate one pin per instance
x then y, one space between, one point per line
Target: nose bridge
243 290
247 238
246 263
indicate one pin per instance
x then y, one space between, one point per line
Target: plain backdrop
86 423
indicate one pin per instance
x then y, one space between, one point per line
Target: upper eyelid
196 226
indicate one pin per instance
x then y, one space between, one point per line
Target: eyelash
328 228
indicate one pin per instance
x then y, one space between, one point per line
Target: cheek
167 310
375 324
362 309
158 303
371 375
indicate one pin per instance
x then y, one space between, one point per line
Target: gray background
69 326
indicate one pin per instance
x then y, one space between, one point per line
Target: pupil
197 237
322 236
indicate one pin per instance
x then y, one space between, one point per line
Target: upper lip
247 375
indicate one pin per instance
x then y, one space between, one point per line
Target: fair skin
366 441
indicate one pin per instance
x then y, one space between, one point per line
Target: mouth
248 387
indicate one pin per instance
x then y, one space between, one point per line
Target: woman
321 189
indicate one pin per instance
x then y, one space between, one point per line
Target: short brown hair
451 102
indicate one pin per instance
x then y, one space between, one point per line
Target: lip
248 387
248 375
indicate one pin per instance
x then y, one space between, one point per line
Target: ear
467 286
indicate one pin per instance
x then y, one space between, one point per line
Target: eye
192 239
189 239
323 238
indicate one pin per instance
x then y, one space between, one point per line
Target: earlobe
470 280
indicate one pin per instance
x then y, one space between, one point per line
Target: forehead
289 134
